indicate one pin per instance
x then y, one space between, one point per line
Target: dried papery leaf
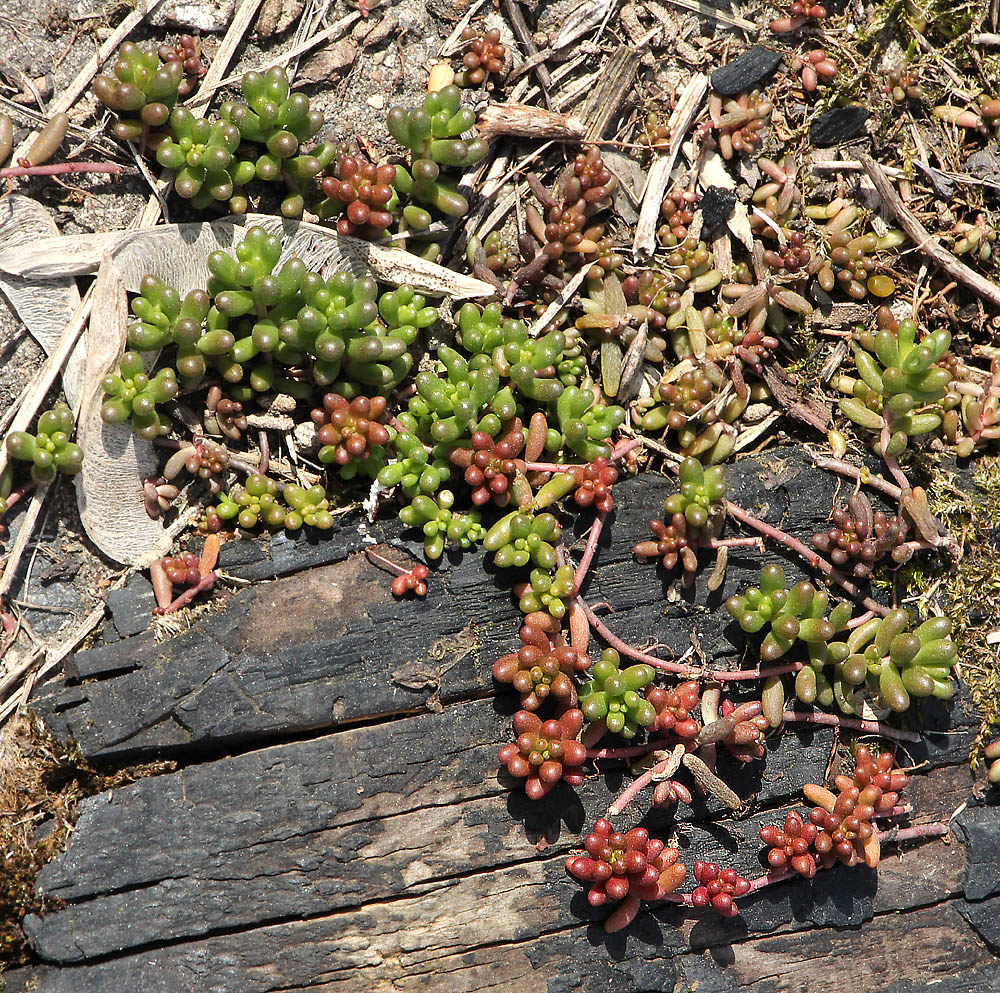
718 576
915 503
710 782
861 509
177 252
109 487
46 305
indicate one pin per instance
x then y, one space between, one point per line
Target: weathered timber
330 645
315 825
509 929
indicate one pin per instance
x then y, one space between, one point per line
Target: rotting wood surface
338 821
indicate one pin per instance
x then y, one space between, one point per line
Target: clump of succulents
142 90
613 695
901 382
545 752
48 449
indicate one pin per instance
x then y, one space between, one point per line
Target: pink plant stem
619 453
60 169
588 553
740 674
935 830
812 558
629 752
890 461
862 475
856 622
205 583
736 543
666 768
833 720
381 560
634 653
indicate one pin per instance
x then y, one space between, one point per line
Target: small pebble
440 76
376 101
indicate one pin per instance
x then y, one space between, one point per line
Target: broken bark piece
743 74
335 57
529 122
838 125
614 85
277 16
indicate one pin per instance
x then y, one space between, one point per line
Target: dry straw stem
523 121
22 539
658 177
923 239
707 10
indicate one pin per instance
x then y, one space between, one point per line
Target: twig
688 105
61 168
924 241
523 34
590 550
815 560
623 648
21 541
858 474
854 723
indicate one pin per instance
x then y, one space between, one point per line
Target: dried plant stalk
529 122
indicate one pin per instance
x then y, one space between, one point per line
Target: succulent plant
696 514
792 614
258 502
593 483
483 330
901 383
675 709
164 318
547 590
360 195
415 470
483 58
132 393
49 449
677 213
619 865
200 152
308 506
718 888
585 422
845 831
490 465
790 845
796 15
433 132
739 122
141 91
860 536
187 51
352 433
895 662
538 672
519 538
279 121
223 415
855 261
992 755
545 753
563 241
613 695
440 524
